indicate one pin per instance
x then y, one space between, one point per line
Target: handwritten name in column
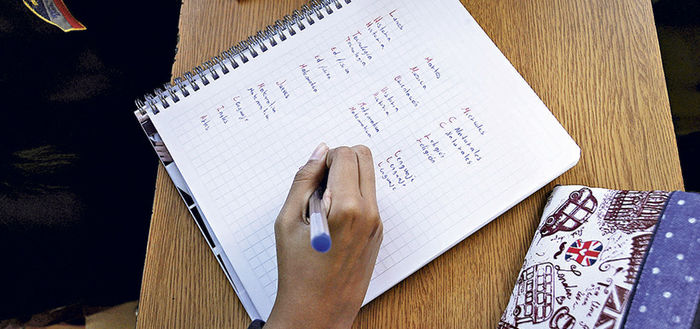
433 67
382 28
322 66
205 121
340 60
460 140
262 100
363 114
399 170
239 109
478 125
363 48
283 89
358 49
416 75
390 99
222 116
307 77
375 30
384 175
406 90
365 110
394 16
430 148
380 100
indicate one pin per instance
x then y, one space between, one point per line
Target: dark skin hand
326 290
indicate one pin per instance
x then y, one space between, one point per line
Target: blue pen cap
321 242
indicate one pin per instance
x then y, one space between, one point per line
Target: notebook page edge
207 233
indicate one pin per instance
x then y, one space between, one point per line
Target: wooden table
595 63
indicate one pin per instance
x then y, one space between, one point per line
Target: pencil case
613 259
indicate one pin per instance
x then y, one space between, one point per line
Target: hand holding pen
326 290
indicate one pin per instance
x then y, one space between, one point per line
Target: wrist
300 316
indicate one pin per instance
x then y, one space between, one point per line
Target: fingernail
319 152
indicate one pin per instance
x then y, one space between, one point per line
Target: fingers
326 202
343 175
305 183
366 172
351 182
350 192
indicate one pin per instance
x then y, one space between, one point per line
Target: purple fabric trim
668 289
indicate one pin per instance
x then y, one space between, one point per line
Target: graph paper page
458 137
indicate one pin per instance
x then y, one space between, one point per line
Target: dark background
678 26
76 172
77 175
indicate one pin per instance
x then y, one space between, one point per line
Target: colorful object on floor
630 261
56 13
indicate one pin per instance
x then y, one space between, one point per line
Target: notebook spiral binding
228 60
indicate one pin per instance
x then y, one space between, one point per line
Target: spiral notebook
458 137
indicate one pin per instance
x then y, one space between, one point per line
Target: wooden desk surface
597 66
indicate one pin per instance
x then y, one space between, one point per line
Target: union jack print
584 253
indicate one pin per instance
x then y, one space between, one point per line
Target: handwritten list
457 136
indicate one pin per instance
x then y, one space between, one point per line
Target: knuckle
303 174
374 220
344 152
350 208
362 150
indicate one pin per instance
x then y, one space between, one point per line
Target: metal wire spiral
237 55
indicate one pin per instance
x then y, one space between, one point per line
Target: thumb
306 181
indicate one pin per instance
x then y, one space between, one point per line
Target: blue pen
320 234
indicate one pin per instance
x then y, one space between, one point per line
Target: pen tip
321 243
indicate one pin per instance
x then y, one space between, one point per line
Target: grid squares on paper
246 167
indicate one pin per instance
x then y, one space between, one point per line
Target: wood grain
597 66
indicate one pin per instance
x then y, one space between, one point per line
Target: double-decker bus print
535 291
